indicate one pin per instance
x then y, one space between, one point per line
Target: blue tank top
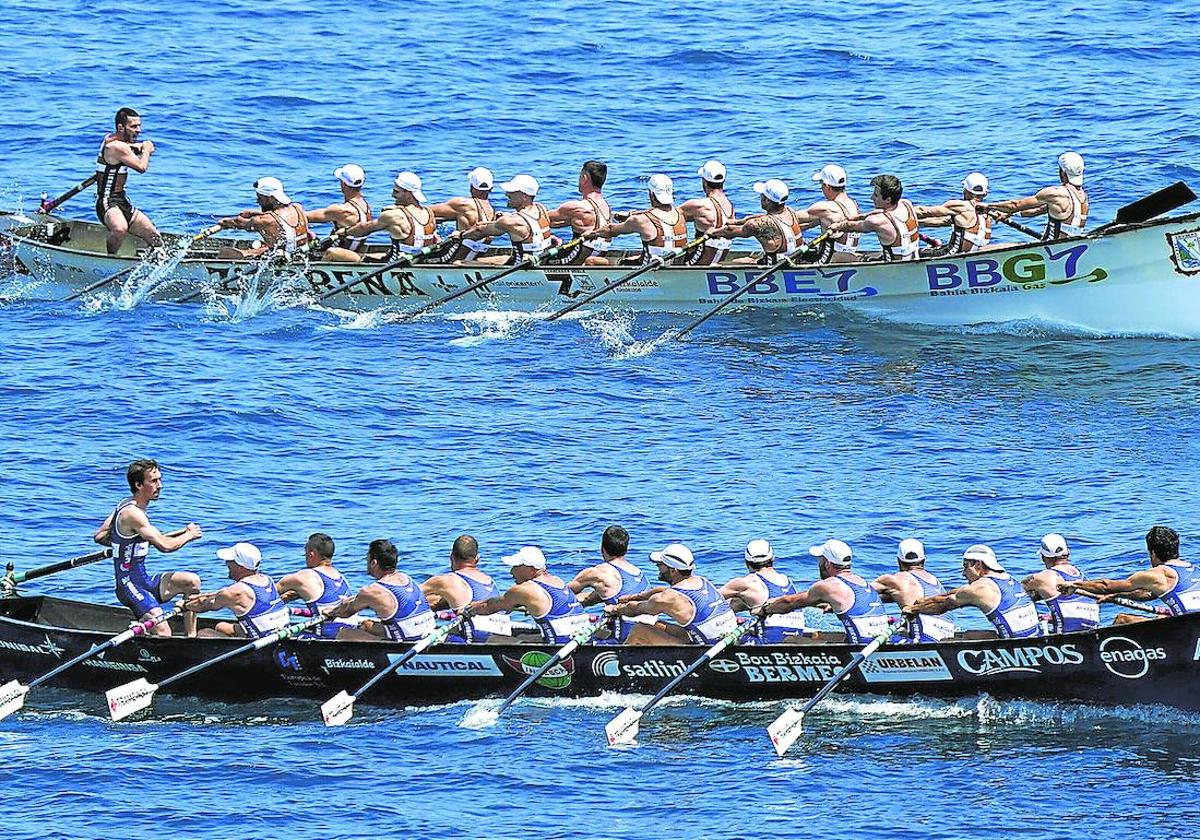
474 630
1070 613
631 584
479 591
775 627
927 628
1184 596
129 553
565 617
1015 617
714 617
332 591
866 618
268 613
412 618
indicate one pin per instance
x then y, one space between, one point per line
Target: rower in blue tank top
404 615
910 584
1068 613
460 586
610 581
319 585
993 591
251 597
541 595
764 583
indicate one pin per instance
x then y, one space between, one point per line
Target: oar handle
1127 603
54 568
48 206
1025 229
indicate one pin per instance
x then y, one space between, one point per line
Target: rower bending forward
527 226
463 584
251 597
280 222
1065 203
662 227
893 221
778 228
319 585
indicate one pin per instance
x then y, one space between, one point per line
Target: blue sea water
275 421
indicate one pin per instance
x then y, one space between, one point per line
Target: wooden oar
1155 204
339 708
12 693
786 728
47 207
1025 229
407 259
624 727
653 265
9 582
269 260
134 696
112 278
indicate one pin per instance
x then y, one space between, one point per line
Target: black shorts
118 200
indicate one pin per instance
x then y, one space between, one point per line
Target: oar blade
785 729
338 709
1155 204
12 698
125 700
623 729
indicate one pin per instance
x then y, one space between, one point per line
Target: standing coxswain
353 209
1068 613
281 222
662 227
584 215
252 598
764 583
466 212
1065 203
527 226
893 221
970 226
611 580
411 226
129 532
996 593
120 152
707 213
463 584
777 229
319 585
542 596
907 586
404 614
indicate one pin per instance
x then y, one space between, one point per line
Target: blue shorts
140 594
328 630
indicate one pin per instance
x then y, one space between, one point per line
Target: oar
12 693
1025 229
786 728
47 207
624 727
10 580
339 708
653 265
270 259
407 259
1155 204
134 696
528 262
112 278
1127 603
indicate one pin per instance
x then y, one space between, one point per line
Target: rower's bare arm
887 586
591 579
939 216
291 587
137 522
635 223
663 601
222 599
789 603
453 208
507 224
738 593
808 218
103 535
516 598
365 228
370 597
964 596
136 158
338 214
566 214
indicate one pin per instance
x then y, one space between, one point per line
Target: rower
994 591
404 614
907 586
662 227
352 210
543 596
319 584
120 152
1068 613
411 226
1173 581
777 228
850 598
971 227
1065 203
251 597
612 580
527 226
584 215
711 211
699 613
836 206
893 221
466 212
463 584
128 530
764 583
281 222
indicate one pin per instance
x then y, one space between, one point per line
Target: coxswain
1065 203
404 614
350 211
842 591
465 583
583 215
996 593
662 227
129 532
319 585
466 212
907 586
777 228
707 213
893 221
120 152
970 227
542 596
527 226
609 581
411 226
699 614
1171 580
252 598
764 583
281 222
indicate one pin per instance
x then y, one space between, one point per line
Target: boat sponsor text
1024 270
1128 659
447 665
984 662
905 666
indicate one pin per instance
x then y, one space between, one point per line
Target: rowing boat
1132 279
1152 662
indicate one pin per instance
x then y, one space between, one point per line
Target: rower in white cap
251 597
777 228
662 227
351 210
410 225
281 222
1068 613
909 585
1065 203
836 206
542 596
708 213
584 215
971 227
466 212
527 226
995 592
764 583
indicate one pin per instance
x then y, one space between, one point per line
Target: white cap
675 556
521 184
985 555
713 171
481 178
272 188
662 188
1054 546
911 551
976 183
527 555
774 189
759 552
410 182
351 175
1072 164
830 174
835 551
244 554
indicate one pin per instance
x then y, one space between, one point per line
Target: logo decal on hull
606 665
1185 251
447 665
1126 658
557 677
1021 271
1022 659
917 666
